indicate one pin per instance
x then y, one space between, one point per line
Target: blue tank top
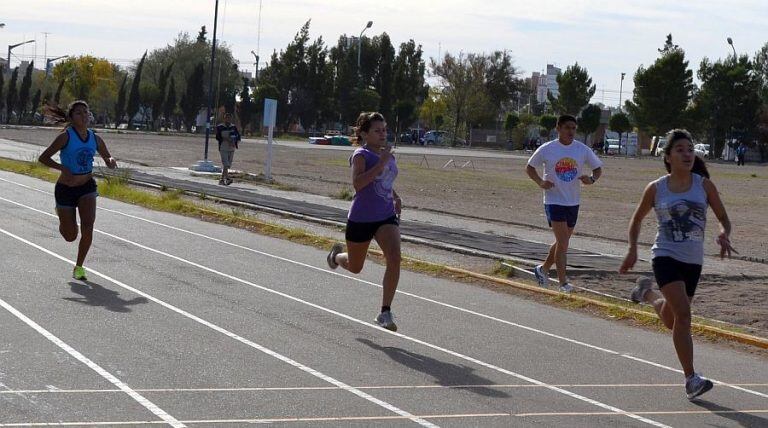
682 220
77 154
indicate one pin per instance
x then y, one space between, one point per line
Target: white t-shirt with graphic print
563 165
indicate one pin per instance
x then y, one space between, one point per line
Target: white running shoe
331 259
697 385
386 320
643 285
541 277
566 288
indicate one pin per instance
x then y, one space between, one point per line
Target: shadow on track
743 419
96 295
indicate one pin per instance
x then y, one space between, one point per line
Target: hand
398 205
629 261
546 185
725 245
586 179
385 155
111 163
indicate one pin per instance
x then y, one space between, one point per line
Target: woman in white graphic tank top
680 200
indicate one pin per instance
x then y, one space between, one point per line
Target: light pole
12 47
205 164
360 44
621 88
730 42
50 61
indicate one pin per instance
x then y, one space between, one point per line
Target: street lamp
12 47
621 88
360 44
50 61
730 42
205 164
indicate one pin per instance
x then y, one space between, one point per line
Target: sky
608 37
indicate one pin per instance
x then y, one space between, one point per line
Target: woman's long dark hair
57 115
675 135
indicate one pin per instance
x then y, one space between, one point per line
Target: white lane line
152 407
405 293
328 310
334 388
240 339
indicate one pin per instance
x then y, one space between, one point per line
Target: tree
81 74
201 35
2 87
246 106
11 96
663 91
761 67
523 129
193 97
501 80
510 123
410 90
384 78
589 120
548 122
169 105
134 99
433 110
162 88
26 84
575 90
36 101
120 103
620 123
729 99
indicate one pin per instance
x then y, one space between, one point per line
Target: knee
562 247
393 258
69 235
683 317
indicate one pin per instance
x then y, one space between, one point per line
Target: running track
186 323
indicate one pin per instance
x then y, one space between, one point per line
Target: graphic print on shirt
684 221
84 160
566 169
384 182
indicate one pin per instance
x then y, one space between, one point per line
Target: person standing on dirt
374 212
741 153
680 200
228 137
563 163
76 189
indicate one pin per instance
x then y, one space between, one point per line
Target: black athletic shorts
364 232
68 197
668 270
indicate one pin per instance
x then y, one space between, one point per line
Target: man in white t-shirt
563 161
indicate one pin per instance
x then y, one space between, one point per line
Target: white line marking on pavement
405 293
322 308
152 407
241 339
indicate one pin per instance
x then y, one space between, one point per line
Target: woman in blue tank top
374 212
680 200
76 188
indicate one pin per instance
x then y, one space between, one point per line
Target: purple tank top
374 202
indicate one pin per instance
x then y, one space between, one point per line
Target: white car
701 150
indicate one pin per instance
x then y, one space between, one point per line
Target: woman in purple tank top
374 212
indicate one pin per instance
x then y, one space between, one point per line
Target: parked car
701 150
434 137
662 142
614 146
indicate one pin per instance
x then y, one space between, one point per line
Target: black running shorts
668 270
68 197
364 232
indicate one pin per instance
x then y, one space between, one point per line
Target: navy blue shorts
68 197
364 232
568 214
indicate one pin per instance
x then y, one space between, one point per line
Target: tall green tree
410 89
589 120
119 104
619 122
384 80
134 99
169 105
761 67
455 75
548 122
663 91
57 95
510 123
502 81
194 97
36 101
246 106
2 88
11 96
729 99
575 90
26 85
162 89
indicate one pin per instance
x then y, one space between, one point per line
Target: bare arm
58 143
101 147
643 208
713 198
531 171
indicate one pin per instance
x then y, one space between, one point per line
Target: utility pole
205 164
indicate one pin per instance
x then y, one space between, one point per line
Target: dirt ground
498 189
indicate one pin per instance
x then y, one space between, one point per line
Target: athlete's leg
562 238
680 306
388 238
354 259
67 223
87 208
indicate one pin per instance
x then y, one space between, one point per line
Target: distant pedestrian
76 189
562 161
680 200
228 137
741 154
374 212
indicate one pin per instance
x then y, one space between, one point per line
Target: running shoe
643 285
541 278
696 386
222 182
386 320
566 288
228 181
79 273
336 249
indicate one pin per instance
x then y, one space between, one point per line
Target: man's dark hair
565 118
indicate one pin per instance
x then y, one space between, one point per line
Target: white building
545 83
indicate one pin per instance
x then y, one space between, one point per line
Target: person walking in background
228 137
741 153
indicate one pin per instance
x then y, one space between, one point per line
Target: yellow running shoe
79 273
